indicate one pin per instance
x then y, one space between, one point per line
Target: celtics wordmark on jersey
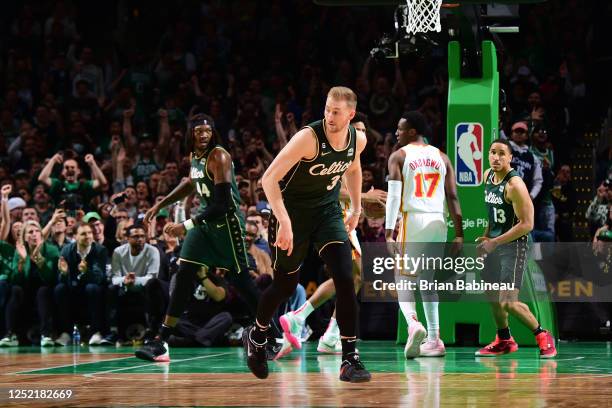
501 213
316 182
218 242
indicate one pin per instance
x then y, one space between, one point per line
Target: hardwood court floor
581 376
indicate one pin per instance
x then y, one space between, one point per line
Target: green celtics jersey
204 182
501 212
316 182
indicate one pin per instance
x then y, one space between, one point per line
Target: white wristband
188 224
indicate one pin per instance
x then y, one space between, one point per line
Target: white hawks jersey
423 176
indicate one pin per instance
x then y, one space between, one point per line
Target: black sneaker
256 355
155 350
149 335
272 349
353 370
109 339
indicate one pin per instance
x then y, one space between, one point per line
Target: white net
423 16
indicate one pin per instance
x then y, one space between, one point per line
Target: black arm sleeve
221 204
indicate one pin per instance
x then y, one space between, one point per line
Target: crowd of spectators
93 111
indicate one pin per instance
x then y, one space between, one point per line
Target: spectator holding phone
135 268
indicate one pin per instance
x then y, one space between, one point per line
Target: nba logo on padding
468 154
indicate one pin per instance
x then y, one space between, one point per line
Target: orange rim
451 5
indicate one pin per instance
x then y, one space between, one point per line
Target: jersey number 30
420 181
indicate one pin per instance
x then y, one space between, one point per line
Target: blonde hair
343 93
26 225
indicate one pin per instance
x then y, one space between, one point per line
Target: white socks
332 329
409 311
433 320
304 311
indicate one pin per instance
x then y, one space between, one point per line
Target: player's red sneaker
546 343
498 347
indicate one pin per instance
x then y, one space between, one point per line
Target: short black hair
504 142
361 117
416 120
128 230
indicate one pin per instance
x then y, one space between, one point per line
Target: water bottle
76 336
179 212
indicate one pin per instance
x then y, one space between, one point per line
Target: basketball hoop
423 16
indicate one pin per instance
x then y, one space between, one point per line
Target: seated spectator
373 230
603 234
524 162
71 191
42 204
55 231
206 319
82 267
261 240
95 221
29 214
7 251
169 248
597 213
263 263
544 218
32 276
16 206
134 269
564 199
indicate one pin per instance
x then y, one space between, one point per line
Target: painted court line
149 364
69 365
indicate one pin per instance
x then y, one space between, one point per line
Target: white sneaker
95 339
63 340
293 328
9 341
46 341
416 335
433 348
329 344
286 348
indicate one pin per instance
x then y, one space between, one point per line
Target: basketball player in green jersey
302 186
504 243
214 238
293 322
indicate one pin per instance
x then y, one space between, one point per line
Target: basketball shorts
320 226
217 244
507 263
422 235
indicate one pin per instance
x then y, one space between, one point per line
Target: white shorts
417 232
422 227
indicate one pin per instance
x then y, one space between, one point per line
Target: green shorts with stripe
507 263
318 226
217 243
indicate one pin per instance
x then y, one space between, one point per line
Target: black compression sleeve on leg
337 257
246 287
185 285
279 291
